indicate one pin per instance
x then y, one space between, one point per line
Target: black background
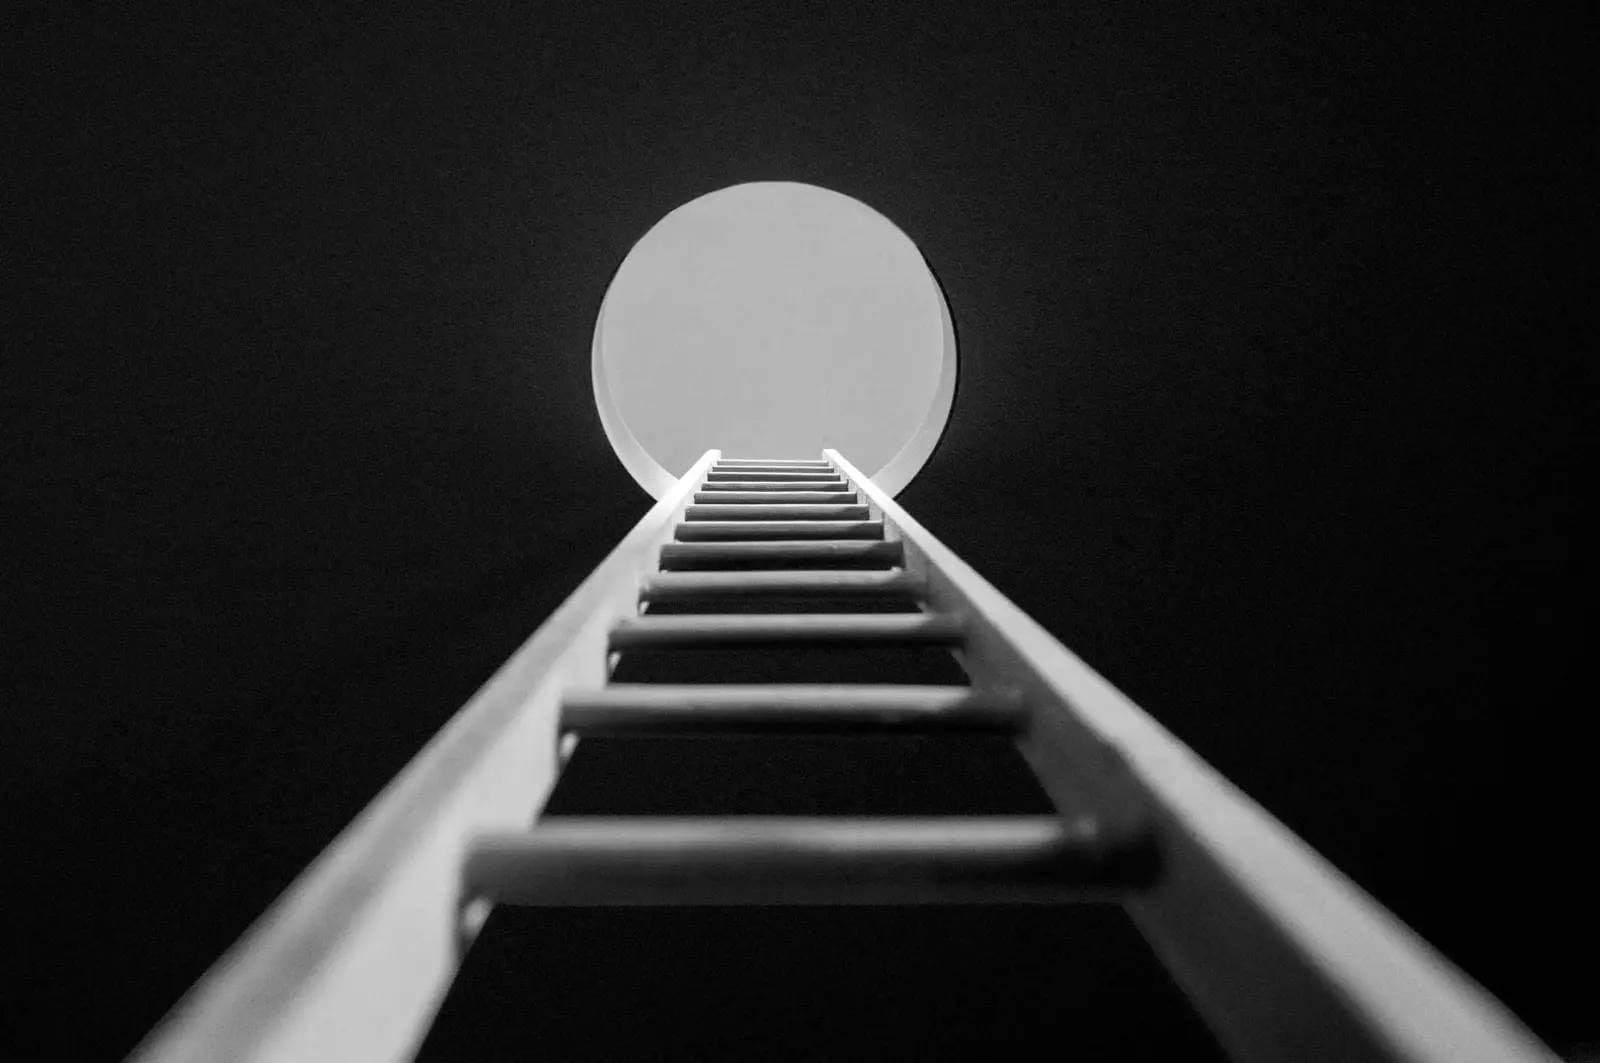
1271 336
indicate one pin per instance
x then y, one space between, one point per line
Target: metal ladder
1284 957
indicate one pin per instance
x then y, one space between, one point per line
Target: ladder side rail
1283 955
351 962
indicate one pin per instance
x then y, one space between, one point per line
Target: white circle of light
771 320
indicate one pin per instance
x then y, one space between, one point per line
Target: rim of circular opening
892 477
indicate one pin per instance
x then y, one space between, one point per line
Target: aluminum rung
843 583
796 463
839 496
712 630
777 512
775 485
763 474
747 530
647 860
772 468
818 554
725 708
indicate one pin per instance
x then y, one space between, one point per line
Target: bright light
772 320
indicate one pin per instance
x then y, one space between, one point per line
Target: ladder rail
1284 956
352 960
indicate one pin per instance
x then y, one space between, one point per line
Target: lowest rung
789 708
643 860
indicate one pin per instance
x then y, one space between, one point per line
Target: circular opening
771 320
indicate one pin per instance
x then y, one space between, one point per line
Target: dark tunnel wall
1269 406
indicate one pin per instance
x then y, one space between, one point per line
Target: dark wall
1269 405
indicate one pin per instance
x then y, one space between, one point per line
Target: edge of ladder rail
1280 952
353 957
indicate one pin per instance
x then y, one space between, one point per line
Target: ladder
1283 956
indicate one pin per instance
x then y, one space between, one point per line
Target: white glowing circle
771 320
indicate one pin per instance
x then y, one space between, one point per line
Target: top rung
786 463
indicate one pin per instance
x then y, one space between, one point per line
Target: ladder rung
723 708
648 860
778 512
785 463
724 530
683 586
719 467
776 485
819 554
712 630
841 496
743 476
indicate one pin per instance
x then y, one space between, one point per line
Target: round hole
771 320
